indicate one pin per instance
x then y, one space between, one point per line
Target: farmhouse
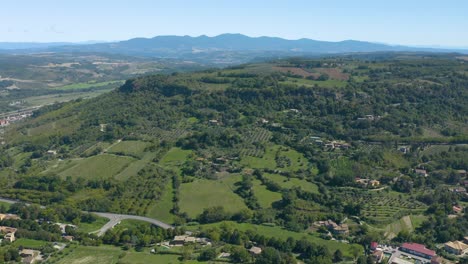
462 173
29 255
456 247
255 250
4 122
404 149
9 233
418 250
459 190
342 229
457 209
9 217
51 152
183 240
421 172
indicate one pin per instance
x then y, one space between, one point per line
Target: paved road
114 219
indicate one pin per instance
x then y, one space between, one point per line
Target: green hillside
274 147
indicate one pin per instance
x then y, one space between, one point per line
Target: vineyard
382 208
255 140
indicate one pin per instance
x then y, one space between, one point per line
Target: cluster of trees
274 250
139 235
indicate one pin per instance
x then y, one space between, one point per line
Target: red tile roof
419 248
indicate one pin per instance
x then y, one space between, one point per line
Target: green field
132 257
265 197
102 166
406 223
131 148
200 194
292 182
91 255
268 161
174 158
135 167
30 243
88 85
162 209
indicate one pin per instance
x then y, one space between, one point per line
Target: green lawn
200 194
30 243
131 147
292 182
101 166
91 255
264 196
5 205
283 234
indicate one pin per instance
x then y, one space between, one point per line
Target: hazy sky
409 22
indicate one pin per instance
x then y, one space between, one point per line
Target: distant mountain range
226 48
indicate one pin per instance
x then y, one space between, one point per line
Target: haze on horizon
417 23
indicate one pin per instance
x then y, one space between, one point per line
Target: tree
338 256
240 255
208 254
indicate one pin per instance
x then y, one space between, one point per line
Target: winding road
114 219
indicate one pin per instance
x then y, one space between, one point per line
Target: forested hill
273 146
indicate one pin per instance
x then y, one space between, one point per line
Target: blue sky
408 22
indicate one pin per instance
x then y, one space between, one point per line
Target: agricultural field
30 243
406 223
89 85
277 157
146 257
292 182
90 255
102 166
200 194
265 197
162 209
130 148
174 158
382 208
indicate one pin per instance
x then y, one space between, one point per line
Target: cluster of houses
409 253
14 118
333 227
